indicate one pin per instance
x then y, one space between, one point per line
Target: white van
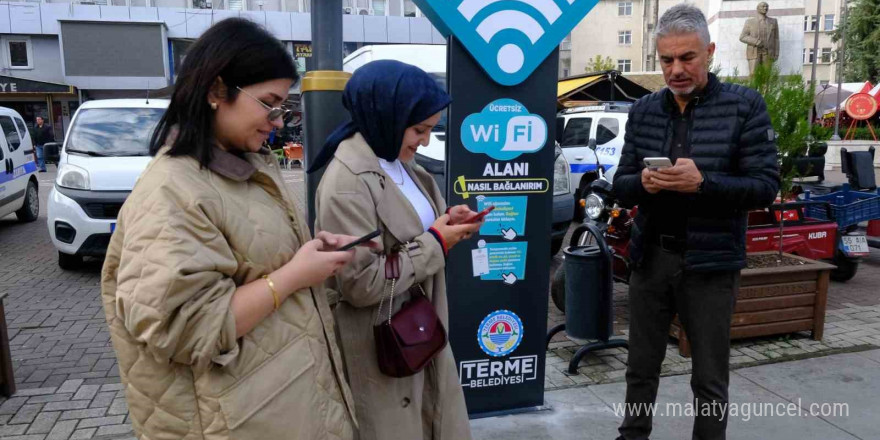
432 59
19 188
104 153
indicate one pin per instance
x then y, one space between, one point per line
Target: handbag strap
392 274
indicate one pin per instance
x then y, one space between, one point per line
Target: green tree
788 102
862 30
600 65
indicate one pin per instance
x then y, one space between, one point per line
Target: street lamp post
815 61
841 55
322 91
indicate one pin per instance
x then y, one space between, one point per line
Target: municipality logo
500 333
503 130
509 38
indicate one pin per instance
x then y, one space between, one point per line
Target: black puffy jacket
732 144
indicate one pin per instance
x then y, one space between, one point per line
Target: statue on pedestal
761 34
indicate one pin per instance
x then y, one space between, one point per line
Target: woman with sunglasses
212 285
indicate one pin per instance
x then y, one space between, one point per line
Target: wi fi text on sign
508 38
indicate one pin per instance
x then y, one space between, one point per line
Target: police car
592 137
18 182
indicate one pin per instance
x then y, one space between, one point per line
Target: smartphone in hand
361 240
657 163
478 216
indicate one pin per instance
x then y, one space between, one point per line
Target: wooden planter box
774 301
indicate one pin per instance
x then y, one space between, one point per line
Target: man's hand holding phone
684 177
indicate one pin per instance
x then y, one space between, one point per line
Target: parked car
19 187
106 150
592 137
432 59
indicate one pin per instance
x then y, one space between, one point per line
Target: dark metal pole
841 54
815 61
322 91
327 34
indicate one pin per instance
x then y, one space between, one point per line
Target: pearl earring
213 106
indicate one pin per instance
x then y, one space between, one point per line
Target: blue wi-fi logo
509 38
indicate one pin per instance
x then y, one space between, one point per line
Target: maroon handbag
410 338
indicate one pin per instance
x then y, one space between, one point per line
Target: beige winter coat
185 239
355 197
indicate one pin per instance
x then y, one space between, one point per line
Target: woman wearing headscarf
372 182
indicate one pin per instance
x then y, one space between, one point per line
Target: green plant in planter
788 103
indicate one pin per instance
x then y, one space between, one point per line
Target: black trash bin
589 295
588 308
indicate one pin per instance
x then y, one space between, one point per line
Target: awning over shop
600 86
12 85
567 85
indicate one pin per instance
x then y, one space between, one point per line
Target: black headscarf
384 98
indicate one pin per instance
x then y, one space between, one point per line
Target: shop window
410 9
19 53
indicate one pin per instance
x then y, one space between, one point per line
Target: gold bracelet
272 289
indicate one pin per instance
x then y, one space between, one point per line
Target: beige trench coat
186 238
355 197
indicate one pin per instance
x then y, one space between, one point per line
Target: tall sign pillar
502 75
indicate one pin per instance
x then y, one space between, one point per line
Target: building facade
54 56
824 22
623 32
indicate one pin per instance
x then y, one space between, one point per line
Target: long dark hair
240 52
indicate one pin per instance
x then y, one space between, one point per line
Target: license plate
855 245
113 228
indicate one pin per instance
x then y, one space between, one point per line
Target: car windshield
113 131
441 81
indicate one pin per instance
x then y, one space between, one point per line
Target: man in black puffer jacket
688 238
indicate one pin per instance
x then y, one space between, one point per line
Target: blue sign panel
508 38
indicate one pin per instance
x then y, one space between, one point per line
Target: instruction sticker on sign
481 261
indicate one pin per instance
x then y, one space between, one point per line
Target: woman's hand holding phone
454 233
459 213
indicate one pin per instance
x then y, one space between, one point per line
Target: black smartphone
361 240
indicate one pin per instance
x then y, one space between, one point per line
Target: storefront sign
302 50
18 85
499 153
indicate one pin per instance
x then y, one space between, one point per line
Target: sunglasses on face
274 112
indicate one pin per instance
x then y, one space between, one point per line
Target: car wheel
846 267
30 211
557 289
69 262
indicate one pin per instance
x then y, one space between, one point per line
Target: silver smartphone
657 163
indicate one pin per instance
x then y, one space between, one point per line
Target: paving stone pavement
68 380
